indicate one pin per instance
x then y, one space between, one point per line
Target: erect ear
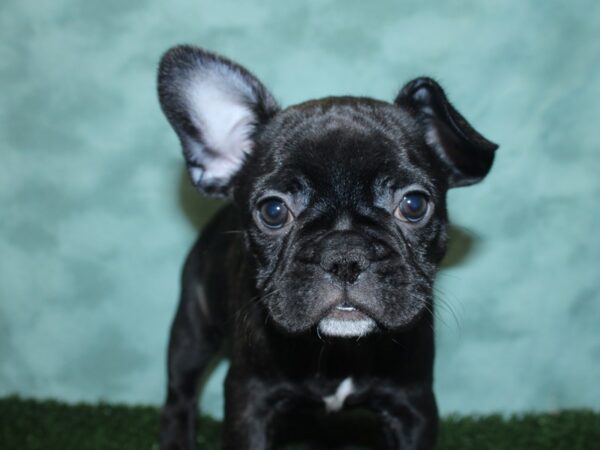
214 105
467 156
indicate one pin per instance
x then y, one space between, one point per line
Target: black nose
344 256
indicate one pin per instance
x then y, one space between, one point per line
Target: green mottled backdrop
96 214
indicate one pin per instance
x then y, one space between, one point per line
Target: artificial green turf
50 425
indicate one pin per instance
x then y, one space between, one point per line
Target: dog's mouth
345 320
346 311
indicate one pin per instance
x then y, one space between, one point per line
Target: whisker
233 232
253 302
443 302
319 335
424 301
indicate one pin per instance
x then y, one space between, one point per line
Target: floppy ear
214 105
467 156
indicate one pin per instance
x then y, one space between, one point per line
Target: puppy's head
343 198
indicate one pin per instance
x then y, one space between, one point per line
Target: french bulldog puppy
319 271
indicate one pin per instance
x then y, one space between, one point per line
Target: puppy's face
346 214
343 199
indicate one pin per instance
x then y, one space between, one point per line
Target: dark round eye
273 213
413 207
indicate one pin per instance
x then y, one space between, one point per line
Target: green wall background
96 214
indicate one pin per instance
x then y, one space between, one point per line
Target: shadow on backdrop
461 245
197 209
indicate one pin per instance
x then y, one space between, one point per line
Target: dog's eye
413 207
273 213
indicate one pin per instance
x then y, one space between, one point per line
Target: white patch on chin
336 401
346 328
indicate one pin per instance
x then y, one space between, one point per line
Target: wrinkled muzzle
346 284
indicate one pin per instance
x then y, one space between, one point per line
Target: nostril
353 271
335 269
344 254
345 269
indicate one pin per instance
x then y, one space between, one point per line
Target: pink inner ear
218 109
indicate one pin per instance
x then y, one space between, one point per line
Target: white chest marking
335 401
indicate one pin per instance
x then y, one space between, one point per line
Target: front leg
409 416
193 343
251 407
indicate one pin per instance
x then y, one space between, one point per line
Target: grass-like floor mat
50 425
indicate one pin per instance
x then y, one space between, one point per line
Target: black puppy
320 271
